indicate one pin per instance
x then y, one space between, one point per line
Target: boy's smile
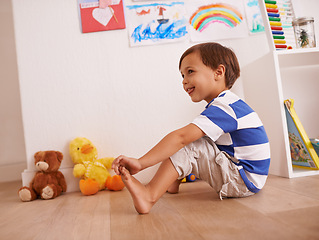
190 90
200 81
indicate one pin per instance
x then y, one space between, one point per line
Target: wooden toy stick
112 10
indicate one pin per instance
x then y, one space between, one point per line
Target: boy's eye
190 71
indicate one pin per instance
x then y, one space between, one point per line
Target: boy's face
200 81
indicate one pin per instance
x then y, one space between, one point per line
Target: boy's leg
144 197
174 188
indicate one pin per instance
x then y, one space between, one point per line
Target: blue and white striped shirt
237 130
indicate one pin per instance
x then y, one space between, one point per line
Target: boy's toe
125 173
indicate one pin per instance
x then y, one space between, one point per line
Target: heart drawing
103 15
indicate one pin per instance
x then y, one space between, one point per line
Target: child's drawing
254 19
158 22
101 16
213 20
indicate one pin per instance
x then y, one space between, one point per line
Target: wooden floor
284 209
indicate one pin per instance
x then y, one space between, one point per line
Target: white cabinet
270 80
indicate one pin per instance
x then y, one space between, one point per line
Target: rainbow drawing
221 13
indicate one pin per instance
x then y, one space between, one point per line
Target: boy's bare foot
140 194
174 188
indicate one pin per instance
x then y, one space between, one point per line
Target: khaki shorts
208 163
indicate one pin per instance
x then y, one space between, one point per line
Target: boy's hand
131 164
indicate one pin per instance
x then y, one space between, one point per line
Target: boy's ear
220 71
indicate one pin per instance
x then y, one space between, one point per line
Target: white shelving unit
270 80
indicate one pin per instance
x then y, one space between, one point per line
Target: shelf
299 172
297 51
298 57
268 81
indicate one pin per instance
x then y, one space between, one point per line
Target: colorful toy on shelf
87 165
280 16
302 150
315 144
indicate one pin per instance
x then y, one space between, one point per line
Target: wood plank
279 194
163 222
227 219
285 209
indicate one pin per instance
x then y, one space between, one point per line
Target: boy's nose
184 81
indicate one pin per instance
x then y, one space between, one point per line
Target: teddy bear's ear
59 156
38 155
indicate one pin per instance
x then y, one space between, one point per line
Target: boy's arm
170 144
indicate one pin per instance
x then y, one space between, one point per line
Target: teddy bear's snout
42 166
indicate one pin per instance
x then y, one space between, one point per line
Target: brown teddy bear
48 182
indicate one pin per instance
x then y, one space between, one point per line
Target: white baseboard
16 172
9 173
71 182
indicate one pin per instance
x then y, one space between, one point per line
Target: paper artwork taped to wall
156 22
101 15
214 20
253 15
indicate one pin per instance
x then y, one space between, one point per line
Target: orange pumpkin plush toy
48 182
89 186
114 183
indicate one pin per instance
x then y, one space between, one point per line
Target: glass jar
304 32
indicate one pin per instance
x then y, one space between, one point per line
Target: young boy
226 145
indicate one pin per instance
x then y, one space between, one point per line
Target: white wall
12 149
94 85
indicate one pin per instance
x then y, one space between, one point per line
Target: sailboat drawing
161 20
154 23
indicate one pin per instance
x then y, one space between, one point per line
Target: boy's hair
213 54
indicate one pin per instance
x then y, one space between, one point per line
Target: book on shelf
302 151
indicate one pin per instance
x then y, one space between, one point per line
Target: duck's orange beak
86 149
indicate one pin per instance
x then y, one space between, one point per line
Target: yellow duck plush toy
93 171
